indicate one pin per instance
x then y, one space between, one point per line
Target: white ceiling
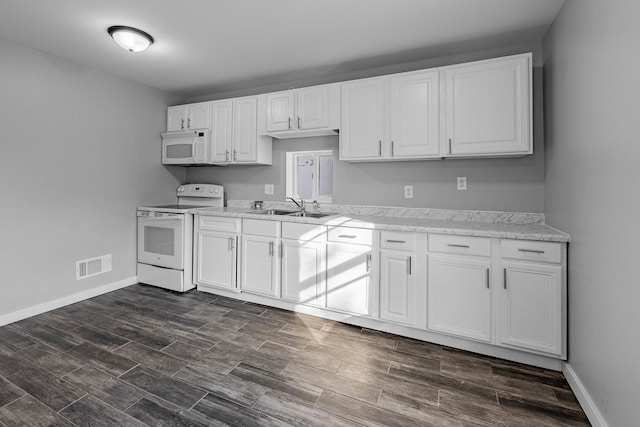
208 46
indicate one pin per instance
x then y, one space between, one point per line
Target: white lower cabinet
215 257
217 260
260 273
303 256
459 290
398 278
531 307
349 279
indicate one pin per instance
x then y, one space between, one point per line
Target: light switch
408 191
268 189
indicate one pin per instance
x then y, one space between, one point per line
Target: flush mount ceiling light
130 38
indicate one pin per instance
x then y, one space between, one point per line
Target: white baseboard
61 302
583 396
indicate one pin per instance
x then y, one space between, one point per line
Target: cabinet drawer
230 225
397 240
531 250
297 231
462 245
260 227
358 236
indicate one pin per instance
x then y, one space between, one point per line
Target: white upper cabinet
189 117
308 111
414 115
363 119
221 130
235 137
391 118
487 107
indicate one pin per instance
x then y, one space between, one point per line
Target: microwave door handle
194 153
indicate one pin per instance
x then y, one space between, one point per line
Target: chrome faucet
302 206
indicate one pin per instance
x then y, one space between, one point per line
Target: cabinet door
216 260
199 116
176 118
280 111
398 287
349 284
459 297
303 271
487 107
245 132
313 108
531 307
221 130
363 119
259 261
414 115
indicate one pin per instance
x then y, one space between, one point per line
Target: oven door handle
161 218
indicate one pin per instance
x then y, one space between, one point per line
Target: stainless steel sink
273 212
284 212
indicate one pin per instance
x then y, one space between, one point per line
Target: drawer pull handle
504 278
368 262
396 241
488 278
271 248
458 246
533 251
409 262
348 236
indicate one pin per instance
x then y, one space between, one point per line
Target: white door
303 271
245 131
414 115
487 107
199 116
221 130
459 297
161 240
280 111
313 108
259 262
398 287
349 284
176 118
363 120
216 260
531 307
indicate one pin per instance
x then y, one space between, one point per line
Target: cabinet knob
299 123
182 124
189 123
289 123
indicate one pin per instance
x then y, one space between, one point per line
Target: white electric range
165 237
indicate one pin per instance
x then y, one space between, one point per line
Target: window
310 175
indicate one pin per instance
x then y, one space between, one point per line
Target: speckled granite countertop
505 225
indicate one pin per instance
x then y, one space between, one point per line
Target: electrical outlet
408 191
268 189
462 183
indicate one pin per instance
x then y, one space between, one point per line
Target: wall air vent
93 266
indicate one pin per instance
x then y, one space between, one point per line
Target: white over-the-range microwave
187 148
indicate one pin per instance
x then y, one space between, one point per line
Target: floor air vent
91 267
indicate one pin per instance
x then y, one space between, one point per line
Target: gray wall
79 150
591 73
493 184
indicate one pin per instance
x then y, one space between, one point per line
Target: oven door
161 240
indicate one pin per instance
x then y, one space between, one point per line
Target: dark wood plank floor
146 356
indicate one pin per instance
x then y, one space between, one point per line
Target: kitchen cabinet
393 117
350 277
310 111
459 286
532 296
189 117
235 132
260 272
487 107
303 257
398 277
215 255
